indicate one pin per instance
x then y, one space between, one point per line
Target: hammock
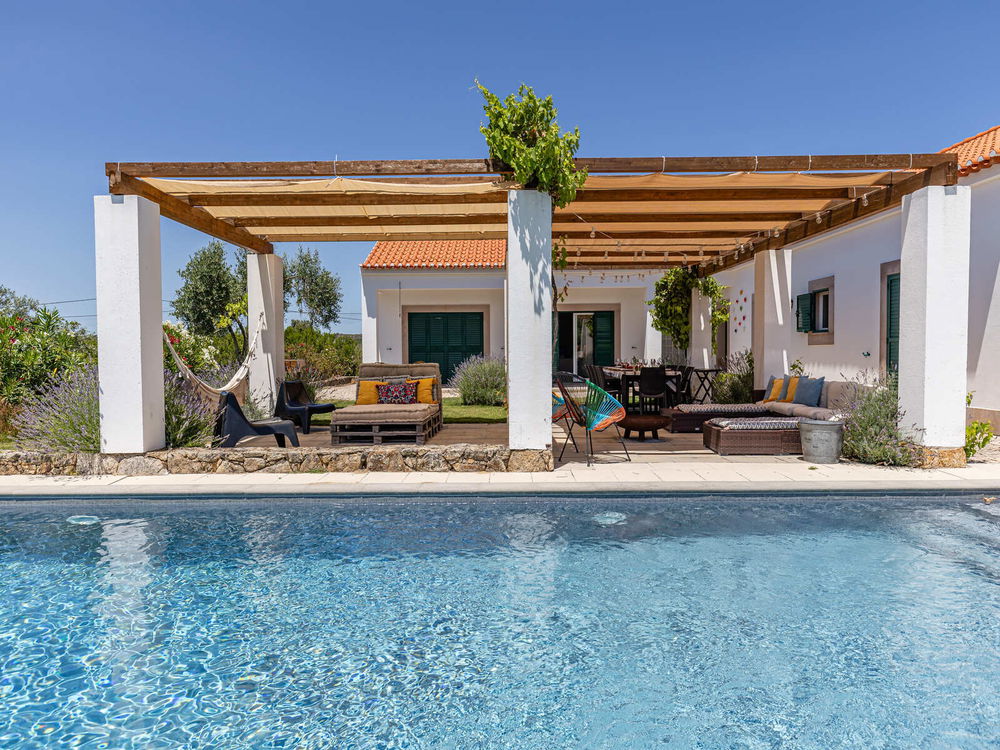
238 384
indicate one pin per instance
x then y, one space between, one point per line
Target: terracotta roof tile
978 152
438 254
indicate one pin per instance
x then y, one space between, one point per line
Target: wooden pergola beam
770 218
403 236
583 196
192 216
597 165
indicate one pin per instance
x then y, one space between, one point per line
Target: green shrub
36 347
735 385
196 350
977 437
872 424
481 381
65 415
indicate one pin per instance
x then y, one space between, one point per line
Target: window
821 311
814 311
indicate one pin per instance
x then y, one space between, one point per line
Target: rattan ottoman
763 442
692 418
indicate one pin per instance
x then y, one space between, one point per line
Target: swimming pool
500 624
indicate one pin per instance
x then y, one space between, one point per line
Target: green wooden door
604 338
445 338
892 322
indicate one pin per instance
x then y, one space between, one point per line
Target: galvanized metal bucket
822 441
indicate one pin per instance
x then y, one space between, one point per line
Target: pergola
655 212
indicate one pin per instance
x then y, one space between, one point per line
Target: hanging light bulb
593 233
819 217
864 199
605 253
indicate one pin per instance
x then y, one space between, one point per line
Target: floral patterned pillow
397 393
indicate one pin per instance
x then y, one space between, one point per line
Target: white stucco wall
984 290
385 293
739 280
853 256
621 290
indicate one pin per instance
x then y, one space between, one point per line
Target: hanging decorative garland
671 304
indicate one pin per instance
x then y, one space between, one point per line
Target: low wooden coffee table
643 423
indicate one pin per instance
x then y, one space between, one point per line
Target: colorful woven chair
593 409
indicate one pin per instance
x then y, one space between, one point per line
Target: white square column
529 319
129 323
773 317
652 348
266 309
934 316
700 352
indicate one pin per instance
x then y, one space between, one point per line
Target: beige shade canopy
617 220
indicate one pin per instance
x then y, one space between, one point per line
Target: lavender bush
65 415
481 381
62 416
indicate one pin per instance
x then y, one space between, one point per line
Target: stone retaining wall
461 457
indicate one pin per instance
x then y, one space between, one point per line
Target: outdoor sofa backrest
370 370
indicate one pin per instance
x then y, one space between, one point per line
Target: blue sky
85 83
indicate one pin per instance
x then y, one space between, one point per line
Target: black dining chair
652 388
595 373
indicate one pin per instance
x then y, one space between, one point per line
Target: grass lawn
455 412
6 443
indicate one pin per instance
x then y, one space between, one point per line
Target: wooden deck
680 447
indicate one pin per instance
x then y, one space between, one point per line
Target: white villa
444 300
845 262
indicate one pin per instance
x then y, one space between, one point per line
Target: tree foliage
522 133
671 304
37 347
15 305
315 290
213 296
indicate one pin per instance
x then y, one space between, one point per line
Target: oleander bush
481 381
873 431
36 347
65 415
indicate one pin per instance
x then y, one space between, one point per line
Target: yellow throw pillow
425 389
793 384
775 392
368 392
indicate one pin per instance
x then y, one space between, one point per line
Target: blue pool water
545 624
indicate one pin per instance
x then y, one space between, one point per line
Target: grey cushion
722 408
377 413
763 423
798 410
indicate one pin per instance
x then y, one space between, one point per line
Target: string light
864 199
593 233
819 217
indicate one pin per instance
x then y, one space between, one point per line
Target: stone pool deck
682 474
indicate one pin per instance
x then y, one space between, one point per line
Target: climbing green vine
522 134
671 304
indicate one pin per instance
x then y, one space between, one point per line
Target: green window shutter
892 323
604 338
804 313
445 338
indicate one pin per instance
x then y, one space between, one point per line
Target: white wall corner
773 320
129 323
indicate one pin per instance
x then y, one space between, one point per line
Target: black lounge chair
293 403
231 425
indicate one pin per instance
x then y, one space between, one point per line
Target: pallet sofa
378 424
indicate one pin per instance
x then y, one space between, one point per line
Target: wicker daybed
770 437
376 424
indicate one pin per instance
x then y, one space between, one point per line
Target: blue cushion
809 391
